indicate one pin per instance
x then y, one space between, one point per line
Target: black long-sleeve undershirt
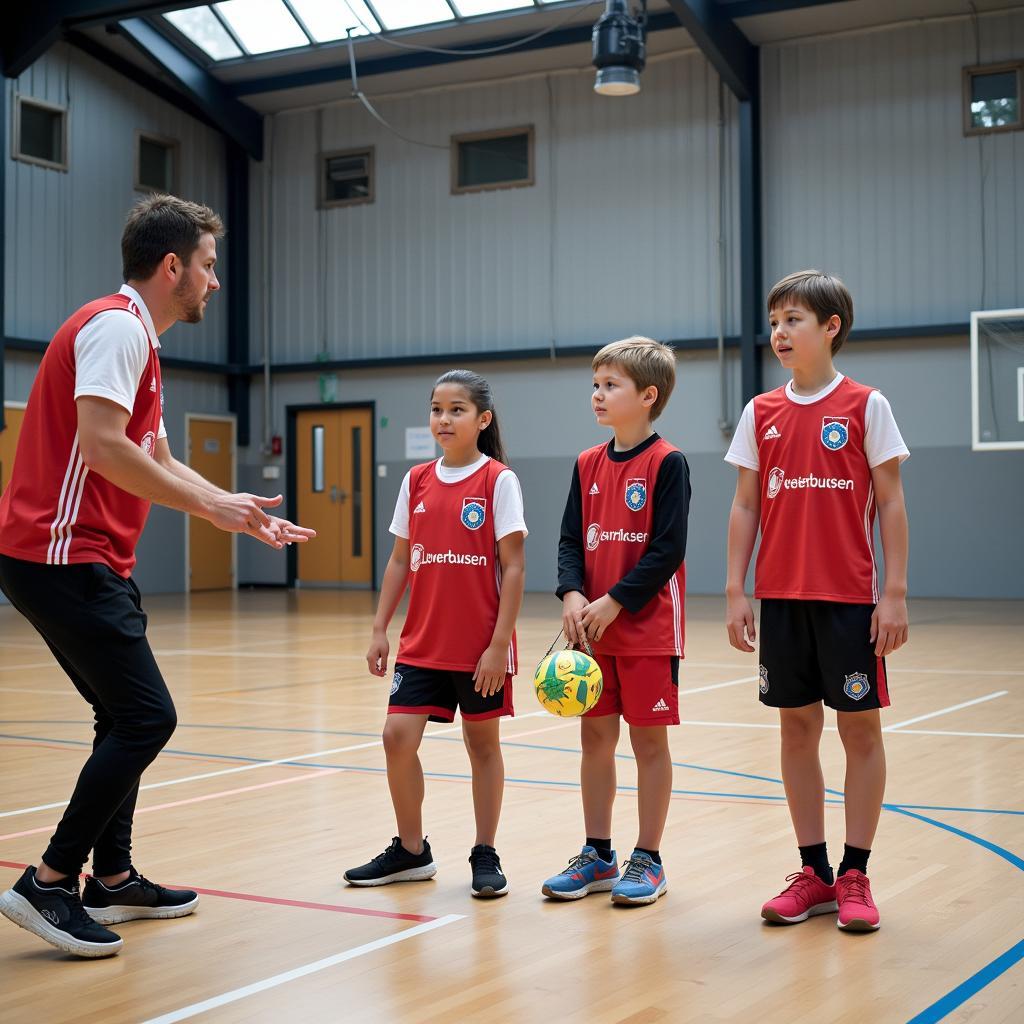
667 547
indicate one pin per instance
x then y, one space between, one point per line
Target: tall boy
621 580
817 458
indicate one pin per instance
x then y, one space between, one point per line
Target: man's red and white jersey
454 572
817 497
618 517
54 510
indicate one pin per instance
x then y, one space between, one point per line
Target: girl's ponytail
480 395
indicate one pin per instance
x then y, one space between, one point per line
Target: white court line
719 686
943 732
946 711
301 972
252 767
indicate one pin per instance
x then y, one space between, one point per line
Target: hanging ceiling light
620 49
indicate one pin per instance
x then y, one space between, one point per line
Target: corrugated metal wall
64 228
867 171
617 236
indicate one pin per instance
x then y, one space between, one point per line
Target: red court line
277 901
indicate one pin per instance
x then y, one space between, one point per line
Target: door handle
334 492
337 494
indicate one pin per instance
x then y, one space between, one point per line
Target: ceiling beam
236 121
30 29
366 68
726 48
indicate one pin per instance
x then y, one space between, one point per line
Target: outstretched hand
244 513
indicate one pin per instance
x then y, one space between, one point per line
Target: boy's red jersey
454 572
54 510
817 498
618 516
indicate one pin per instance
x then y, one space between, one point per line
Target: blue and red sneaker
642 880
586 873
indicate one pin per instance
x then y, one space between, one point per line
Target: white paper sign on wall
419 443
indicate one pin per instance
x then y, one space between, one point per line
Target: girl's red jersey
618 516
817 498
54 510
454 572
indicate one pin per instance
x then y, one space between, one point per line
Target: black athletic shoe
135 898
55 913
488 879
395 864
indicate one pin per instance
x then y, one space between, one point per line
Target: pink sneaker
857 910
806 895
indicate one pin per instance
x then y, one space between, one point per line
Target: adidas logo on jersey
593 488
419 508
661 705
772 433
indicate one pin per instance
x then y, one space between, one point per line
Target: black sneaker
395 864
55 913
488 879
135 898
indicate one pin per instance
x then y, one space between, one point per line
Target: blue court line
936 1012
836 795
971 987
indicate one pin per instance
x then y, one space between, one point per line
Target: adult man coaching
91 457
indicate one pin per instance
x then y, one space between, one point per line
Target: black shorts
814 651
437 692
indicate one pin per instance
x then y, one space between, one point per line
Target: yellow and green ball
568 683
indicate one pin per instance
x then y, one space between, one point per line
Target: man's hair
160 224
646 363
823 294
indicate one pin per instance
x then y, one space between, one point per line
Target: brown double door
334 488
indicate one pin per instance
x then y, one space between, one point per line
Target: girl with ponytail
459 531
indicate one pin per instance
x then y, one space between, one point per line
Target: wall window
992 98
40 133
156 163
346 177
486 160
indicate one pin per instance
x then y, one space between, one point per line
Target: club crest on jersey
763 682
415 557
835 432
636 493
473 512
856 686
148 442
775 478
396 682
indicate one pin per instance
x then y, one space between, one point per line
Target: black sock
603 847
855 858
653 854
816 856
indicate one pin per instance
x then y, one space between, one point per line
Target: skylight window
331 19
471 8
200 25
262 25
407 13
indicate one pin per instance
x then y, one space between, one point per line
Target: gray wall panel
63 229
617 235
867 171
959 501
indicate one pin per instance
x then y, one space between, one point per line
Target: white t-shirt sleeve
111 353
400 520
162 432
509 516
743 450
882 438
